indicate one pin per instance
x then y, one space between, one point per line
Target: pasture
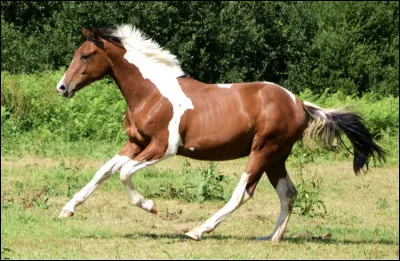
361 212
52 147
49 152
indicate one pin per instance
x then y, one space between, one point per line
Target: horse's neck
130 82
138 84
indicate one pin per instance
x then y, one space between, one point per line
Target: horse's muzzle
63 91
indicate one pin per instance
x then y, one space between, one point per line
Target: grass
361 213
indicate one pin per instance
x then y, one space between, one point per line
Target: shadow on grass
184 237
298 240
295 240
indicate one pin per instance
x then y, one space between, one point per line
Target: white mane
147 53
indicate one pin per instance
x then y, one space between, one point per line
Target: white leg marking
126 178
239 196
102 174
287 197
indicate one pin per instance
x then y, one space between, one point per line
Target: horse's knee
125 173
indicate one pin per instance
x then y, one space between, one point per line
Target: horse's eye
84 57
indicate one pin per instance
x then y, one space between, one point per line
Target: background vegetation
334 54
330 53
34 116
347 46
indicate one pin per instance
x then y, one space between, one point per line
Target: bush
347 46
31 108
30 103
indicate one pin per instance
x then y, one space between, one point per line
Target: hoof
193 235
66 214
154 210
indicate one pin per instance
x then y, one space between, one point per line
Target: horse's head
89 64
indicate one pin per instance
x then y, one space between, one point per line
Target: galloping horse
169 113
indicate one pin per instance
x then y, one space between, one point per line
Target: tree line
351 47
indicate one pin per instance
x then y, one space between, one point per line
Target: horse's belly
218 153
220 144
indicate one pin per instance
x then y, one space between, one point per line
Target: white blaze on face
287 91
162 69
61 82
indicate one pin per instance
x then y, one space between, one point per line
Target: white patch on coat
286 90
191 149
162 68
224 85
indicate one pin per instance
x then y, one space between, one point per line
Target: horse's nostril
62 87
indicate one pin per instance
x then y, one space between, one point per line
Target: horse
170 113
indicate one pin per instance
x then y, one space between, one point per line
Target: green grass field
362 213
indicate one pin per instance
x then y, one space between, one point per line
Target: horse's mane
135 41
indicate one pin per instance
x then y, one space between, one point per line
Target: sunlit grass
362 214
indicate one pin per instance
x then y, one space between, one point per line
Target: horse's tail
326 125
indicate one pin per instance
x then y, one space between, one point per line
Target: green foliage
347 46
36 199
5 251
354 50
196 184
308 200
382 203
31 104
210 187
33 116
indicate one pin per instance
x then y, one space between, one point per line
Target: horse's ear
96 37
85 32
95 33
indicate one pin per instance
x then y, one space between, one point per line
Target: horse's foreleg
241 194
113 165
149 156
287 195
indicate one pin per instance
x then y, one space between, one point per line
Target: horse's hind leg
241 194
287 193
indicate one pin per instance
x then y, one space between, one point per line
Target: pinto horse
169 113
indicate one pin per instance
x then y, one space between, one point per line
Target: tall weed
193 184
308 201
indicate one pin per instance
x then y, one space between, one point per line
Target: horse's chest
161 115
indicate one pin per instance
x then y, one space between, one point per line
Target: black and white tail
327 125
